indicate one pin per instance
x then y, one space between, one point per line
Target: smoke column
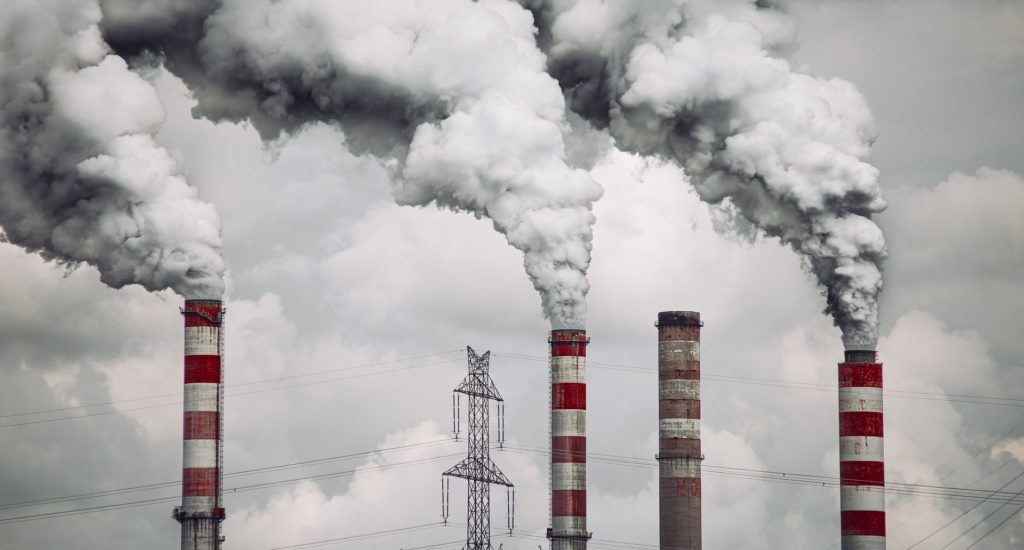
453 95
82 179
700 82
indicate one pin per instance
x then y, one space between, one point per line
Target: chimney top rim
679 319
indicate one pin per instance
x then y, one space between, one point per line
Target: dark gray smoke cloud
702 82
453 94
82 179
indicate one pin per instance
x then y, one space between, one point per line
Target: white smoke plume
702 82
453 94
82 179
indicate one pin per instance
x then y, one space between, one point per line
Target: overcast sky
347 314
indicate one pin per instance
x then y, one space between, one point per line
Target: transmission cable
227 491
250 383
711 376
234 394
982 520
165 484
361 536
964 513
996 527
797 478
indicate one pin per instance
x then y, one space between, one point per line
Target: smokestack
861 452
679 454
568 529
201 510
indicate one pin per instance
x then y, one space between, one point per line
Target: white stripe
199 453
198 504
860 399
568 477
679 467
200 534
201 397
679 389
679 427
568 544
860 448
861 542
568 525
861 497
202 340
569 422
568 369
679 350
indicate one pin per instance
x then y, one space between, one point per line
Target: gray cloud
970 225
355 279
944 88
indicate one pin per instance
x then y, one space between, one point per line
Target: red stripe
198 313
860 423
678 446
867 523
199 482
679 487
568 349
569 448
667 333
192 320
202 369
684 370
569 395
854 472
200 425
860 375
679 408
569 503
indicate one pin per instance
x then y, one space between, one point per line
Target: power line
964 513
250 383
594 542
961 493
711 376
228 492
982 520
715 470
996 527
953 520
165 484
906 394
934 491
361 536
235 394
455 543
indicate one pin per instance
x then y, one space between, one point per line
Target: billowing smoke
452 94
82 179
701 82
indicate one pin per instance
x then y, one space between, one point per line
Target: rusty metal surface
679 450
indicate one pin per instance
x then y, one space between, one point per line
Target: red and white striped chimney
568 529
861 452
679 454
201 510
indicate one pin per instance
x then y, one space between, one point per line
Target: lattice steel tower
478 469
